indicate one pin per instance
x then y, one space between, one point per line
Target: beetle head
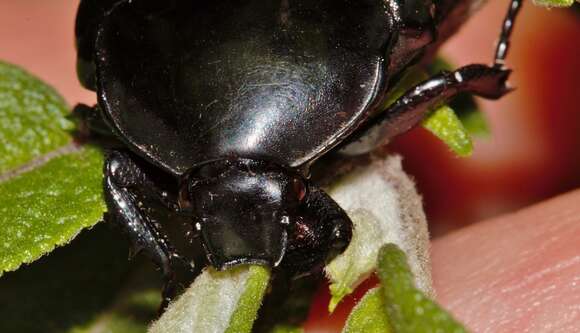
257 212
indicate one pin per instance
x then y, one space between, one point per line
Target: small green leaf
444 124
359 260
464 104
32 121
554 3
371 204
408 309
217 302
369 315
382 204
471 117
48 206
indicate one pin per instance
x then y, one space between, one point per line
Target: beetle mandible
234 100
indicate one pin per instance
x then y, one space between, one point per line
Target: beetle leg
90 122
407 111
123 177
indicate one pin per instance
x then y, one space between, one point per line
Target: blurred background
534 149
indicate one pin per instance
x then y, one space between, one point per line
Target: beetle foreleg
407 111
122 177
89 120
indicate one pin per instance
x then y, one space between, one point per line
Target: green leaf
554 3
359 260
384 208
50 189
48 206
464 104
471 117
32 121
371 204
445 124
369 315
217 302
247 309
408 309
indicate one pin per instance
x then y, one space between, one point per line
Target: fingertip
515 273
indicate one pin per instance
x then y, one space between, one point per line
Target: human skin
515 273
509 274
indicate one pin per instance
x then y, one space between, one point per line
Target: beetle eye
299 188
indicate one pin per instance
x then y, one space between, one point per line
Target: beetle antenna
506 31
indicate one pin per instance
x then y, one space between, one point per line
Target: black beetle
236 99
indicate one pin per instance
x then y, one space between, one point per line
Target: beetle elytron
236 99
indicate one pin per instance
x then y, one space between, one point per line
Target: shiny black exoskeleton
235 99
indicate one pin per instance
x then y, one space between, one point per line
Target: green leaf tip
48 206
337 292
359 260
384 207
369 315
247 310
553 3
445 125
471 117
408 309
464 104
217 302
32 118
